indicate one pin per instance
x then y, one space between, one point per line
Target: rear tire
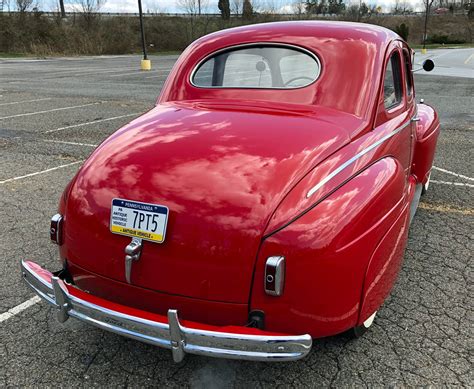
358 331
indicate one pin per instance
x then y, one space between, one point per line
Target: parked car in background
263 202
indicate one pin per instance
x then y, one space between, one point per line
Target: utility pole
61 6
145 63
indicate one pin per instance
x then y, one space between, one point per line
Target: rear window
259 67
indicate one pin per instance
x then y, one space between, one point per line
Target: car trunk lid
221 173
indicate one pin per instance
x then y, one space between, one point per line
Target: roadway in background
449 62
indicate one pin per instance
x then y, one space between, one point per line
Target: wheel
425 186
358 331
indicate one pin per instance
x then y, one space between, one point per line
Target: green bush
444 39
403 31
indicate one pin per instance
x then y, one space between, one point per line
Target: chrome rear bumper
169 333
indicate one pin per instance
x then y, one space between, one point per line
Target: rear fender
384 266
427 132
327 252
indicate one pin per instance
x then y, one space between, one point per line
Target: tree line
246 9
89 32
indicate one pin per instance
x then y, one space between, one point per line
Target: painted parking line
40 172
446 209
453 173
469 58
19 308
49 110
71 59
99 71
158 76
135 73
92 122
26 101
51 74
451 183
69 143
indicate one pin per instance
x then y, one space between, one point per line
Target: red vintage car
263 202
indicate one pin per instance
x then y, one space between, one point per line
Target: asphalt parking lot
52 115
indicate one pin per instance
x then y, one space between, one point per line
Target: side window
408 74
392 88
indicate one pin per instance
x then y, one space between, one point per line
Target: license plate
140 220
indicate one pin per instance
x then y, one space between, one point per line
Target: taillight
56 230
274 275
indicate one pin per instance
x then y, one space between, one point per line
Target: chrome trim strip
275 44
171 335
349 162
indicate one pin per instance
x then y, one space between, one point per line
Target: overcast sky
173 6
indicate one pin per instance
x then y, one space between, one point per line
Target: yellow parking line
468 59
446 208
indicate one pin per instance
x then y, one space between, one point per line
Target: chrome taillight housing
56 229
274 275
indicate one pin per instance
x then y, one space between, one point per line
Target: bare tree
401 7
236 7
259 6
23 5
298 8
91 6
268 6
352 12
190 7
89 10
196 25
154 6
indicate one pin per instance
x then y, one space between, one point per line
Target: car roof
351 56
309 28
